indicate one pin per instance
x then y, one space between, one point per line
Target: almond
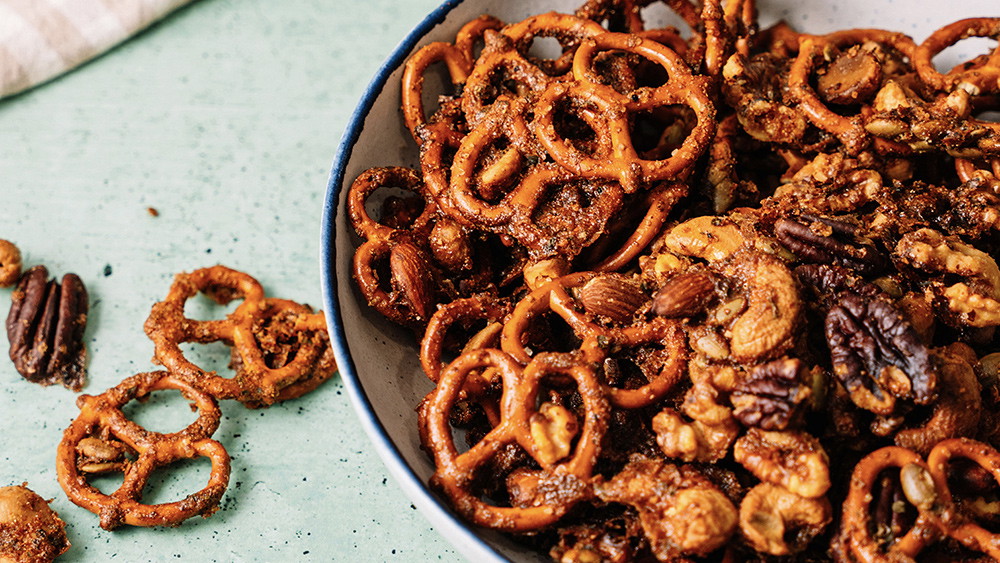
684 295
412 276
613 296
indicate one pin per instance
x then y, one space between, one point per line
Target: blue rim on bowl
449 525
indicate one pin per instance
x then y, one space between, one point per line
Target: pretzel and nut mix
723 295
280 351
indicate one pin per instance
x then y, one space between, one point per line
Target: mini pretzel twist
458 57
660 201
505 59
599 342
521 387
481 307
101 418
980 74
856 530
609 110
280 347
849 130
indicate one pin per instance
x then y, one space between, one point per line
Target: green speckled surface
225 118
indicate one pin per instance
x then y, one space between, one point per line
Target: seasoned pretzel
601 343
616 157
281 347
386 177
521 389
967 532
662 199
548 210
505 60
968 169
458 57
856 531
481 307
849 130
281 351
980 74
168 327
101 418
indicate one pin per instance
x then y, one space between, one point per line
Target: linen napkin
41 39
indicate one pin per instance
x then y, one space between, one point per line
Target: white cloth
41 39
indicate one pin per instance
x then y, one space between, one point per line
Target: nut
45 328
917 486
412 277
553 428
684 295
853 77
95 455
10 263
29 529
613 296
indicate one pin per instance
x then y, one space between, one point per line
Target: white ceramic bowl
378 361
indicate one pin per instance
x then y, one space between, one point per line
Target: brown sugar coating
30 531
724 295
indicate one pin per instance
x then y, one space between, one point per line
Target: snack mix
280 351
725 295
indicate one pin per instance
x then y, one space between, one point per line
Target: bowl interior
378 360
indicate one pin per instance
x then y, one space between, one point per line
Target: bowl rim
455 531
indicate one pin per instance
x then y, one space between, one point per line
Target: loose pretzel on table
265 375
101 418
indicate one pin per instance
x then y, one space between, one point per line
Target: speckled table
224 118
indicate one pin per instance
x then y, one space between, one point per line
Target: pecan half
822 240
877 355
45 328
773 396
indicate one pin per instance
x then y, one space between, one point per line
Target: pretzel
980 74
521 387
660 201
261 378
101 418
967 169
665 370
855 528
849 130
505 56
615 157
597 342
967 532
484 307
386 177
457 56
280 352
